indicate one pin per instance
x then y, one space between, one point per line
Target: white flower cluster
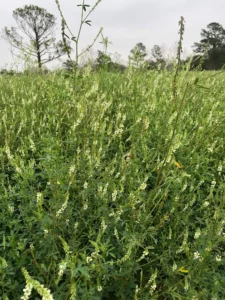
27 291
103 225
39 199
197 234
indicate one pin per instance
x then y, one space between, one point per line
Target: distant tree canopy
137 55
38 26
157 61
211 46
105 61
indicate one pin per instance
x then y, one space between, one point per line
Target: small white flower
11 209
220 167
27 291
218 258
213 183
196 255
72 169
62 267
114 194
138 120
197 233
104 226
89 259
143 186
85 185
39 199
99 288
85 206
206 204
174 267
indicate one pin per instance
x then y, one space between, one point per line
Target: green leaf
88 22
83 271
202 87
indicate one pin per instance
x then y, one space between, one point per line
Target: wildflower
197 233
143 186
114 194
64 206
145 253
206 204
85 206
104 226
62 267
196 255
32 145
213 183
89 259
100 189
174 267
220 167
85 185
39 199
27 291
152 288
218 258
99 288
11 209
138 120
72 169
210 149
18 170
116 234
119 131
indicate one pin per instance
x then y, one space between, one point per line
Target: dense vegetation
112 187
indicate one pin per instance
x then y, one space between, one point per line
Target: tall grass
112 190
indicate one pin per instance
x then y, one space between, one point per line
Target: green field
112 187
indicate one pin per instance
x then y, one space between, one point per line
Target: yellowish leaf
182 270
178 165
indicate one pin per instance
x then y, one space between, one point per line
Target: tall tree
212 45
103 60
158 57
39 27
157 53
138 54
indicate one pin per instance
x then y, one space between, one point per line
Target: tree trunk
37 45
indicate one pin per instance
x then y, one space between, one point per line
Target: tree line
35 38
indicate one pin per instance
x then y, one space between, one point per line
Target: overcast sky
127 22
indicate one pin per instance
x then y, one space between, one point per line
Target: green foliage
137 55
212 46
67 34
156 62
103 60
39 26
112 190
